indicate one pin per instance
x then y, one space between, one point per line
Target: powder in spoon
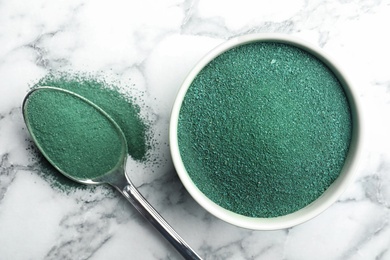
264 129
74 135
118 106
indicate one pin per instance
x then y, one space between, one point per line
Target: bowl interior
306 213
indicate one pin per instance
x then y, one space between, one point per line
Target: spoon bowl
64 123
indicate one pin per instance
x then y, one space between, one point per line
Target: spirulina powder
75 136
120 107
264 129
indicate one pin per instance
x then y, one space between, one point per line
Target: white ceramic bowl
313 209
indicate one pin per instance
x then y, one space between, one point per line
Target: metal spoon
115 177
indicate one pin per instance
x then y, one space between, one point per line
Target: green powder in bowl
261 130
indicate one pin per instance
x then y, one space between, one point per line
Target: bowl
322 202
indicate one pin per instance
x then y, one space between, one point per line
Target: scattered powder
75 136
264 129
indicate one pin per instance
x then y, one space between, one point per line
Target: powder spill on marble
264 129
75 137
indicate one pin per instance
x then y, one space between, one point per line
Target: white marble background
150 46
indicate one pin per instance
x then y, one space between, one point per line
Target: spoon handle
147 210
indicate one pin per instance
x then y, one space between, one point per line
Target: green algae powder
119 107
264 129
74 136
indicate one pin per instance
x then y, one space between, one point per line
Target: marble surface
149 47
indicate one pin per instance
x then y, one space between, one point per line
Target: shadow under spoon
83 143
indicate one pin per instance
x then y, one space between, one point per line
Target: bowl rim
333 192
